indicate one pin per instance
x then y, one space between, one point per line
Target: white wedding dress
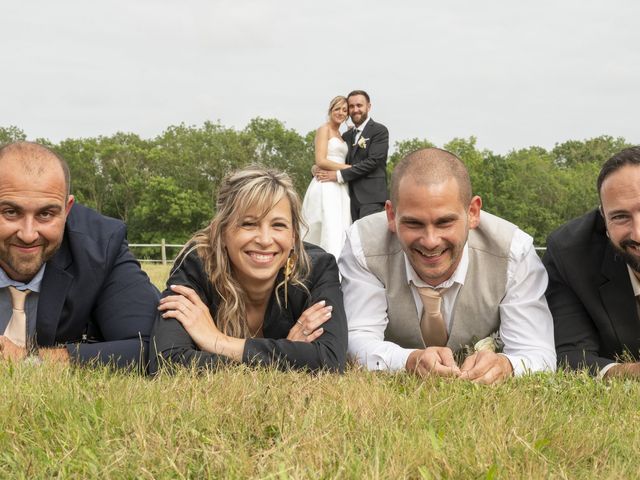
326 206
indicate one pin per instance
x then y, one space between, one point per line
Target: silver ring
306 333
300 323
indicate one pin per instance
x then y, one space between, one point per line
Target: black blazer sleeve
94 297
170 342
329 351
123 312
576 337
375 154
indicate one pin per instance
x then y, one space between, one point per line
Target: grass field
242 423
257 423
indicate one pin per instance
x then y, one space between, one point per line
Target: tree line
165 187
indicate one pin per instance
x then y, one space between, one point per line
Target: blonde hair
335 101
240 191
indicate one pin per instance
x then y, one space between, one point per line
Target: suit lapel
367 128
617 297
53 292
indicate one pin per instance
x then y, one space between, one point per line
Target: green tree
123 161
11 134
88 182
199 157
528 192
165 210
164 187
283 149
579 183
402 149
476 163
594 150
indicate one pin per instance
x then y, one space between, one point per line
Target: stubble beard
363 118
631 260
26 267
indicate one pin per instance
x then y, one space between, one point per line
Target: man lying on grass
70 289
594 276
434 274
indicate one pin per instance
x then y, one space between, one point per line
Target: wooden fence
163 250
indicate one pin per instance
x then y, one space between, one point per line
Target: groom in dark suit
594 276
368 144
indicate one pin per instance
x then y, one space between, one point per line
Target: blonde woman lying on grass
247 289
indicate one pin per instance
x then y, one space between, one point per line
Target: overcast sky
512 73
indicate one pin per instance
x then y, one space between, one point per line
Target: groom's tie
434 330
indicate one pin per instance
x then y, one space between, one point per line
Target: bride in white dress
326 205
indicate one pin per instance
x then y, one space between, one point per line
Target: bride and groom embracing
350 179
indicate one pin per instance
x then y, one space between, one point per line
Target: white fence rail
163 250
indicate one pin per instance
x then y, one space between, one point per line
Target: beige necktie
434 330
17 328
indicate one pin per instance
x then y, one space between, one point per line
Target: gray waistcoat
475 313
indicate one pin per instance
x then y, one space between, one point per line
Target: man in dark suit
594 270
70 289
368 144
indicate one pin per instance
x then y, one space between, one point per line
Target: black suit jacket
170 341
94 297
590 296
367 176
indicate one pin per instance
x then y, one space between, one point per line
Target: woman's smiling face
258 245
339 113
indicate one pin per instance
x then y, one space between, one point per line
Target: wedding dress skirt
326 206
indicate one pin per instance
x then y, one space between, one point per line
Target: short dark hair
432 165
38 150
359 92
628 156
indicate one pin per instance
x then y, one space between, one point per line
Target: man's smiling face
620 198
359 109
432 225
33 210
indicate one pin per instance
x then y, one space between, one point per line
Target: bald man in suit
83 296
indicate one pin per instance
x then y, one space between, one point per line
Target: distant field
157 273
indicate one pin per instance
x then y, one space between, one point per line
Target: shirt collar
458 276
635 283
33 284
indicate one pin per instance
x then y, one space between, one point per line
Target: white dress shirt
359 130
526 325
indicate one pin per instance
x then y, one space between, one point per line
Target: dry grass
157 273
243 423
259 423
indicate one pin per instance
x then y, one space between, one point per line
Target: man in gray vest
434 275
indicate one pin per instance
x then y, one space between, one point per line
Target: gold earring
288 270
